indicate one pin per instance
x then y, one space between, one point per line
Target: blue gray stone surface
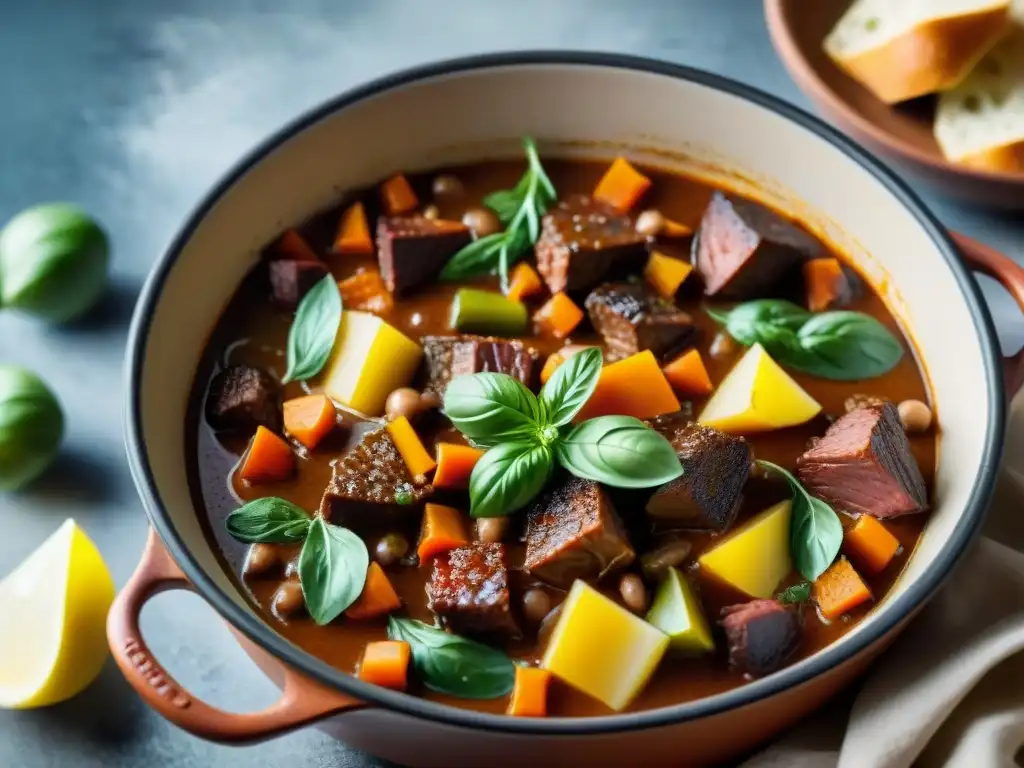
133 109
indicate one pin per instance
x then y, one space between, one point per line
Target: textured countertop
133 109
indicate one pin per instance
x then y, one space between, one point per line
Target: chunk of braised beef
292 279
450 356
242 398
761 635
863 465
469 591
573 532
707 496
412 250
743 249
583 242
631 319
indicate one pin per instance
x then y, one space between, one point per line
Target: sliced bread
901 49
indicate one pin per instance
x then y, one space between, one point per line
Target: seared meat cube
242 398
744 248
762 635
863 465
631 319
468 591
412 250
707 495
291 280
582 241
573 532
451 356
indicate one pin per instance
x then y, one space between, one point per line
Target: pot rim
893 611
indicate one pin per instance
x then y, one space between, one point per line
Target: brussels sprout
31 427
53 262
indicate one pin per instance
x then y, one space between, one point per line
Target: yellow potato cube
757 395
755 558
370 359
602 649
677 612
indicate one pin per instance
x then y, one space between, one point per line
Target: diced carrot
354 232
309 419
455 464
268 459
621 186
559 316
366 291
675 229
525 282
870 544
688 375
530 693
666 274
410 447
397 195
386 663
824 281
554 360
292 245
377 598
840 589
635 386
442 530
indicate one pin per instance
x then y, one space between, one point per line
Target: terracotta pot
574 104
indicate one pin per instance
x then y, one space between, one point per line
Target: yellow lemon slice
54 607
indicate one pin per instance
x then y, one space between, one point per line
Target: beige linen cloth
950 691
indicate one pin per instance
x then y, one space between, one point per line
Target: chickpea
536 605
671 554
287 599
634 593
404 401
491 529
447 185
723 345
261 558
430 400
390 549
915 415
650 223
431 212
483 221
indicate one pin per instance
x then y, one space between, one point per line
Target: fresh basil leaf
492 408
332 570
453 665
313 331
620 451
798 593
508 477
570 386
848 346
268 521
748 322
480 257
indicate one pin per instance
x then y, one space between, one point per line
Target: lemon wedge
53 612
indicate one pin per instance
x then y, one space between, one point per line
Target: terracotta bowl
574 104
901 133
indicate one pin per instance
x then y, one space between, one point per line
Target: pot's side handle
1010 275
302 700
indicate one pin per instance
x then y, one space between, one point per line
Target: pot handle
1010 275
302 700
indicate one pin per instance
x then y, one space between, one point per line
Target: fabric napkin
950 690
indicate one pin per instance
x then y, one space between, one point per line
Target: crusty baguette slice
901 49
980 123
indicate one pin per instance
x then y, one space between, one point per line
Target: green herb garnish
519 209
313 331
841 345
269 521
450 664
798 593
620 451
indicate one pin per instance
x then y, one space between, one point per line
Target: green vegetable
332 570
450 664
269 520
520 209
677 612
507 477
815 532
570 386
488 313
491 408
842 345
31 427
620 451
53 262
313 331
798 593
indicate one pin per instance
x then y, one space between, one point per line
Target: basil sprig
332 563
313 331
840 345
815 533
450 664
798 593
526 435
519 209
